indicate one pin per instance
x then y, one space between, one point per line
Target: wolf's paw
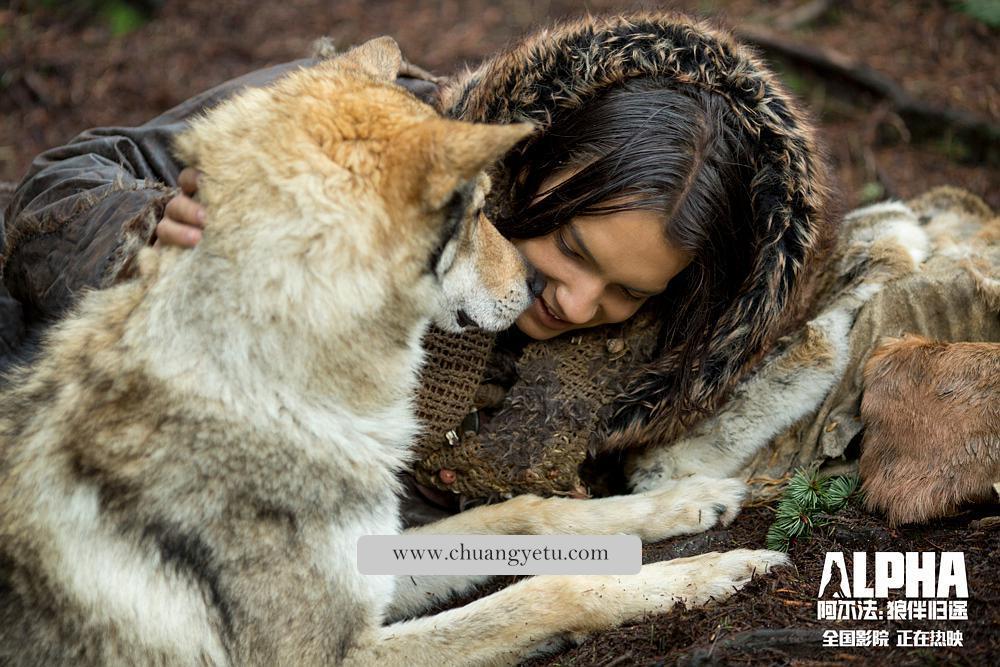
695 581
716 576
717 501
732 570
692 505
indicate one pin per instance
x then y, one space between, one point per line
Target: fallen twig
802 15
621 660
986 523
752 640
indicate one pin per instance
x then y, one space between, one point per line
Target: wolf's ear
457 151
380 57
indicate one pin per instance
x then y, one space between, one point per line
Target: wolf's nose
536 283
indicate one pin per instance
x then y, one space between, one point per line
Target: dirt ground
64 72
61 72
773 620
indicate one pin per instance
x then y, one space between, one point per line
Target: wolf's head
354 203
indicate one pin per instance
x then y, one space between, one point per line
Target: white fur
463 289
122 584
762 407
680 507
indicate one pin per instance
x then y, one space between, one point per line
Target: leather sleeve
84 210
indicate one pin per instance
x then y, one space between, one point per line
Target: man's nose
579 301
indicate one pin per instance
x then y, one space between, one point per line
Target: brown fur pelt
932 427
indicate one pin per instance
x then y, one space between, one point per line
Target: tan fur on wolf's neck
368 156
301 356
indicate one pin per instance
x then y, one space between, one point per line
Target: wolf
187 466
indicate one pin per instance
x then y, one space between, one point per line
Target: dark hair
645 145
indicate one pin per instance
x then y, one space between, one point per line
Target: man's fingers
171 232
182 220
185 210
188 180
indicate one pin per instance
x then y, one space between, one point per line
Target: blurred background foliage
120 16
987 11
907 94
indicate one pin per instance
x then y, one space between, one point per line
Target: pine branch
807 503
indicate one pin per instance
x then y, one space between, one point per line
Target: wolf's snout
536 282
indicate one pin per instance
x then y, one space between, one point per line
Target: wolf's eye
448 235
445 258
435 258
454 211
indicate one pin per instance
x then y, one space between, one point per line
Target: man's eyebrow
586 253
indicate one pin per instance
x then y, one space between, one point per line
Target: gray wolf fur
185 470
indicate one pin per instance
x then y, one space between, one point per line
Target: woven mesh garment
542 429
454 365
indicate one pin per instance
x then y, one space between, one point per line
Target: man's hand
183 218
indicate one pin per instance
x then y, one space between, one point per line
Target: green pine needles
807 503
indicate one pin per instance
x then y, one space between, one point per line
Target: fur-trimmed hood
562 68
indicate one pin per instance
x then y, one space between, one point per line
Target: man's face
598 270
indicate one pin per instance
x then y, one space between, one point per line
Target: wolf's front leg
678 507
543 613
681 507
413 595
